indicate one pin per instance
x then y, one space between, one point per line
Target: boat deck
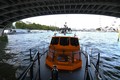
63 75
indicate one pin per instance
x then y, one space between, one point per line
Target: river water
106 42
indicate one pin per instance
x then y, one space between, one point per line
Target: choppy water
106 43
109 49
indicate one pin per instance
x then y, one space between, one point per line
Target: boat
65 29
67 55
64 51
64 59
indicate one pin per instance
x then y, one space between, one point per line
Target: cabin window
55 41
74 41
64 41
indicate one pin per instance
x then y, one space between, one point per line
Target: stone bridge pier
3 28
1 31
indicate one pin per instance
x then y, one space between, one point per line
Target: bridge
14 10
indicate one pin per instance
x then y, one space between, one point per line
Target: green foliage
22 25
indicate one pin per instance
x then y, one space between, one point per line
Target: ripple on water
107 66
117 67
110 68
107 58
114 74
110 75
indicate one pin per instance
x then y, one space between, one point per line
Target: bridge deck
14 10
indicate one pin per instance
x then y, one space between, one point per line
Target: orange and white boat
64 51
63 55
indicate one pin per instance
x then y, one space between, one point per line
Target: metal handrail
86 68
30 68
22 76
88 63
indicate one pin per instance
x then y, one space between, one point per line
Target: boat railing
62 52
30 68
90 64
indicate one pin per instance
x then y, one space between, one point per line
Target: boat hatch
62 58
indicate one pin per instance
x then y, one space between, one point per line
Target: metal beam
28 8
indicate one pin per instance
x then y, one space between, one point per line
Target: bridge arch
14 10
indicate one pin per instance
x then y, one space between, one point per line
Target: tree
22 25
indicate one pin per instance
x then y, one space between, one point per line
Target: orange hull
65 55
65 66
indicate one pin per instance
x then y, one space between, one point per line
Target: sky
76 21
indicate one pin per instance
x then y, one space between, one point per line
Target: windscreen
64 41
74 41
55 40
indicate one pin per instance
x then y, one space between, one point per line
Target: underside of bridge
14 10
